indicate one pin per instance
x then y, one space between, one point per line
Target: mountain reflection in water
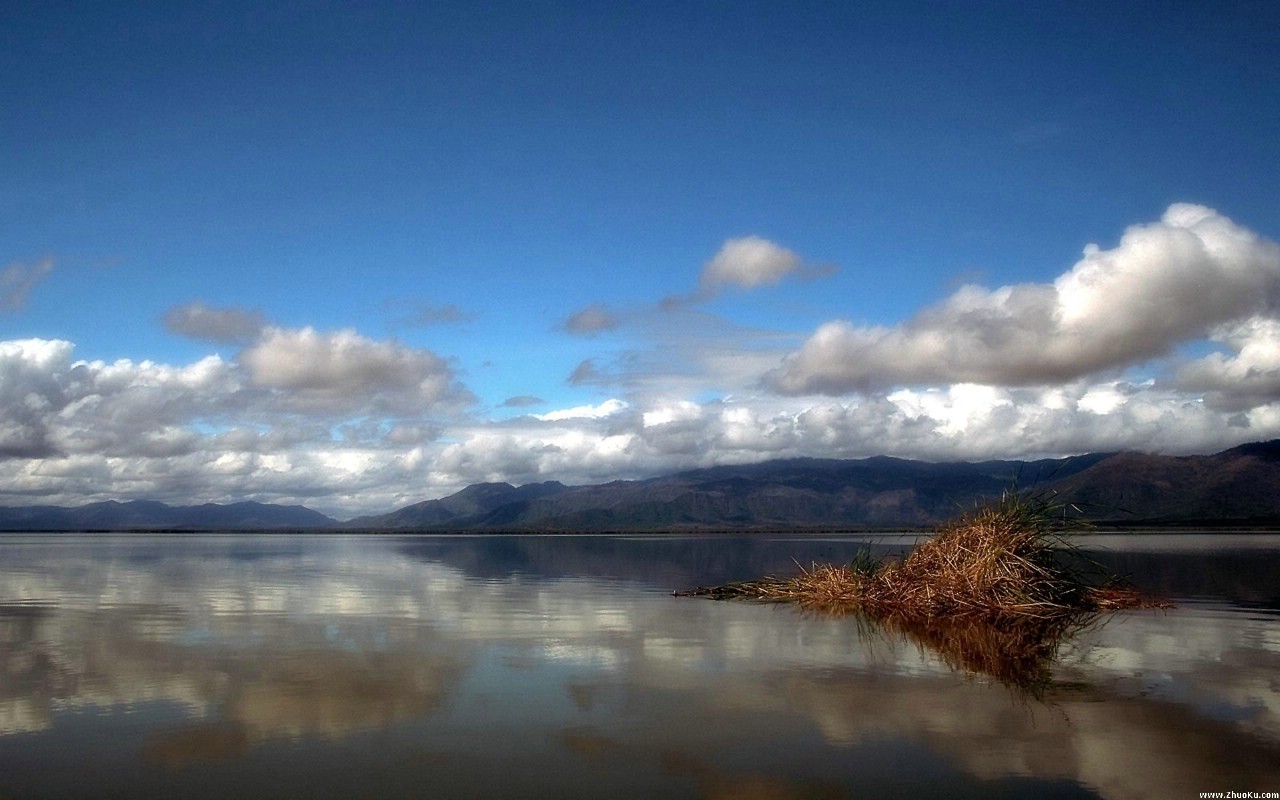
208 666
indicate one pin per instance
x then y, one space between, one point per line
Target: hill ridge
1239 486
1120 488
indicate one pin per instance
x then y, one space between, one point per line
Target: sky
359 256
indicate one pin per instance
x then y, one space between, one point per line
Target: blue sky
357 257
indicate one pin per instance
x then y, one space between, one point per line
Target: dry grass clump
1001 560
994 592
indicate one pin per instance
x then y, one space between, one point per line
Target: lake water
432 666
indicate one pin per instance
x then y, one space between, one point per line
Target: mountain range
1237 487
1240 486
150 515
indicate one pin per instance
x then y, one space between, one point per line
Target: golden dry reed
1002 560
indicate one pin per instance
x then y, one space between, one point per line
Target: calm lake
476 666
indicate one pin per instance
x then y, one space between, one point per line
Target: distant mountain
150 515
797 493
478 501
1240 486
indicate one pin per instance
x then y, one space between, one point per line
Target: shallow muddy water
473 666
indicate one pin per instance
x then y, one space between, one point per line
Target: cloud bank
1166 283
350 424
616 439
221 430
299 414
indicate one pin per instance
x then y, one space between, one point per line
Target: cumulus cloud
591 320
1249 377
1165 283
52 406
17 280
226 325
75 431
345 371
746 263
28 394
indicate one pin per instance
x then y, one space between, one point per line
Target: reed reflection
1019 652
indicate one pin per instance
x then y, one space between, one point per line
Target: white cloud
748 262
1166 283
213 430
60 407
77 431
670 413
965 421
606 409
1250 377
29 394
344 371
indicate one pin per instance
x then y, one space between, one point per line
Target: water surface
474 666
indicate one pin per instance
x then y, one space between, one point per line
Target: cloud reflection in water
377 666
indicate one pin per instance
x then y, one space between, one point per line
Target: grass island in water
1001 561
994 592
